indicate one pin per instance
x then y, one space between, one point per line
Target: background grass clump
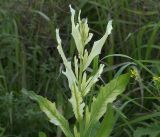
29 59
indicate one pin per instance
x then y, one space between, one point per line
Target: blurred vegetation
29 59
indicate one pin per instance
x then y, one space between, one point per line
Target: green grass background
29 59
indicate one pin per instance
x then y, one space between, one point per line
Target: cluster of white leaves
79 83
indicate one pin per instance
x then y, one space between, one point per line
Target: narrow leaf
75 32
97 46
92 80
69 73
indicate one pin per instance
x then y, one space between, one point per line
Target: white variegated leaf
87 116
83 83
89 38
80 32
85 57
77 103
92 80
75 32
69 73
97 46
84 30
76 66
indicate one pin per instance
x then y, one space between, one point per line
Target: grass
29 59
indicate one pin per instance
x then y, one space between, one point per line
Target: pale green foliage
91 81
50 110
80 32
97 46
108 94
69 73
77 103
76 133
80 84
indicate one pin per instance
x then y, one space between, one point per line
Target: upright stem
80 74
80 90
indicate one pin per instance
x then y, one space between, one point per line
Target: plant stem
80 90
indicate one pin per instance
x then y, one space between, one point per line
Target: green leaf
107 123
2 130
108 94
50 110
76 133
42 134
